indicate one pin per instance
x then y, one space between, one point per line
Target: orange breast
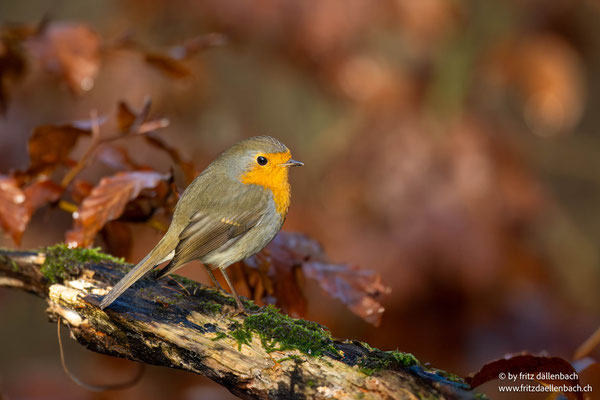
273 177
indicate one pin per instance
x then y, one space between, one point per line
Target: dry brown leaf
291 253
41 193
357 288
128 120
80 189
13 212
49 146
147 202
107 202
69 50
17 205
528 364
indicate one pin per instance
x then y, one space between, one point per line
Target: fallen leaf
539 367
285 285
357 288
17 205
80 189
147 202
292 254
135 123
129 120
13 212
50 145
42 192
107 202
69 50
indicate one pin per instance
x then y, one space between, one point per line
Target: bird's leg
240 306
212 277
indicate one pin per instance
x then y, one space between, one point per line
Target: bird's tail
159 254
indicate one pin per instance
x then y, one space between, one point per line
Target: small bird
230 212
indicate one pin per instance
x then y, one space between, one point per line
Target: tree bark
182 324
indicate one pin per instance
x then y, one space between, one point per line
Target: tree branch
181 324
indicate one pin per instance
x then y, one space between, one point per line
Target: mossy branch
181 324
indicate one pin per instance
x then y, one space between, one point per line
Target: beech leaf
17 205
106 202
359 289
50 145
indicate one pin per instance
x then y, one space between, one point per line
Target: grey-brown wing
205 233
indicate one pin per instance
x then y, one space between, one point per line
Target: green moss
62 262
219 336
378 360
209 307
280 332
292 357
241 334
447 375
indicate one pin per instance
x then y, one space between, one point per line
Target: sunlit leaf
13 211
50 145
17 205
107 201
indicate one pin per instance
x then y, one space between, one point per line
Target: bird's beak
292 163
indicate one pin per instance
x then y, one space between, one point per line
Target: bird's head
263 161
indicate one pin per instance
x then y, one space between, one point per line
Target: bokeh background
452 146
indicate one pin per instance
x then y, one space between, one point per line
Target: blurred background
452 146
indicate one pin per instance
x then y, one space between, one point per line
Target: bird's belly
244 246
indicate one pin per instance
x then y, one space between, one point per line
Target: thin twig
73 172
95 388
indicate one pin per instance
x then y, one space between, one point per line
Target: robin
230 212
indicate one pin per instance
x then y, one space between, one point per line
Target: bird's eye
261 160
